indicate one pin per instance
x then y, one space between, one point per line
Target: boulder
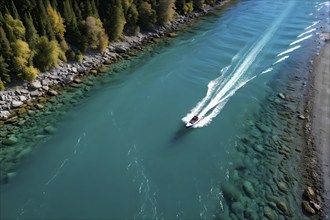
282 186
36 84
12 140
309 193
307 208
35 93
93 71
4 114
16 104
50 130
81 70
120 49
269 213
302 117
248 189
52 92
281 95
21 111
39 106
67 79
22 98
24 153
283 207
231 193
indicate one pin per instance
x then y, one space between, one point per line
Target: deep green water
121 150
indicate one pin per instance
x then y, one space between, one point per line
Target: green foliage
166 11
47 54
96 37
147 16
2 85
21 60
4 76
31 34
57 22
115 19
14 27
79 57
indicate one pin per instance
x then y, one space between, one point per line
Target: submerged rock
302 117
231 193
52 92
283 207
309 193
248 189
307 208
50 130
282 186
12 140
269 213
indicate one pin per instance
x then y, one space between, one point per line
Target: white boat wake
230 80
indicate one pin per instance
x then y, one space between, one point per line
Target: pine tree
166 11
31 34
47 54
5 47
14 28
115 20
13 10
147 16
56 22
4 76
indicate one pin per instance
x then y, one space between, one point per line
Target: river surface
122 151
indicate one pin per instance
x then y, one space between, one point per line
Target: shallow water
121 150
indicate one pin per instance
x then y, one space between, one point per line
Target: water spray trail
234 81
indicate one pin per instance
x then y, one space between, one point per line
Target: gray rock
302 117
36 85
4 114
81 70
24 91
35 93
24 153
22 98
120 49
16 104
67 79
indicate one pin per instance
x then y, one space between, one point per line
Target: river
121 151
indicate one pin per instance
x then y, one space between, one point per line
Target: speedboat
192 121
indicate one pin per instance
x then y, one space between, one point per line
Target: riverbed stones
52 92
281 205
4 114
12 140
36 84
39 106
309 193
302 117
16 104
307 208
282 186
49 129
281 95
248 189
269 213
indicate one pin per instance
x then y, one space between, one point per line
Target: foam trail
301 39
288 51
266 71
232 83
312 25
280 60
309 31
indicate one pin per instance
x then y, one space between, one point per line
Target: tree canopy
36 35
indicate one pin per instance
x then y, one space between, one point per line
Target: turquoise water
122 151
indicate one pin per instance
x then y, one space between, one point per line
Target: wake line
221 92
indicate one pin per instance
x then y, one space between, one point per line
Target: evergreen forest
36 35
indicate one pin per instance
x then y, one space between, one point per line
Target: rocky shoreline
20 96
317 128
